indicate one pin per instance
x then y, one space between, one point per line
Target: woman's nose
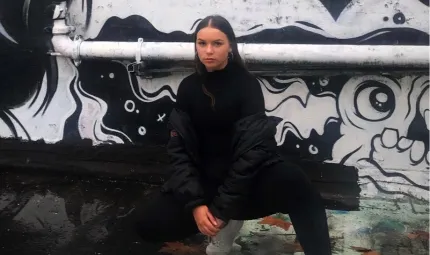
209 49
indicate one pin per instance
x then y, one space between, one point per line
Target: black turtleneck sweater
215 101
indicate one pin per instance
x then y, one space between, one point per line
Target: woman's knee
288 175
147 229
163 219
152 216
292 182
142 230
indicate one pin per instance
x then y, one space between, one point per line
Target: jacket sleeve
184 181
240 178
239 182
251 102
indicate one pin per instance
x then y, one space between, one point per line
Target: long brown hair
222 24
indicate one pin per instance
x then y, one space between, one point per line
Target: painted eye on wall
374 101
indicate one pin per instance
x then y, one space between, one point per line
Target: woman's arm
252 99
184 180
241 175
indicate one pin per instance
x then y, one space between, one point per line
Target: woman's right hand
205 221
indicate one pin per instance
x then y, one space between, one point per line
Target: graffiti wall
363 136
376 124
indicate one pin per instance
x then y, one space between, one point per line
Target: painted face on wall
385 130
212 47
380 114
383 123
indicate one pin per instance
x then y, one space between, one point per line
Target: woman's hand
205 221
220 223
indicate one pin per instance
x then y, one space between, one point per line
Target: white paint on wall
297 106
360 17
363 125
90 122
4 33
151 90
48 126
374 112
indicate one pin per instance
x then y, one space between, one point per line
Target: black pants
282 188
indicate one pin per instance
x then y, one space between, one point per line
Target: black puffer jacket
254 147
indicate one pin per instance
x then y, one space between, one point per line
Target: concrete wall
375 125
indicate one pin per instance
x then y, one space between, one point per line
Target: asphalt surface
65 215
62 215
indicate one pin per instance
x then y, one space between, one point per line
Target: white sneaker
223 242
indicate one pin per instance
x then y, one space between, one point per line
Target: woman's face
213 48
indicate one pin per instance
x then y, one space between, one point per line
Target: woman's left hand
220 223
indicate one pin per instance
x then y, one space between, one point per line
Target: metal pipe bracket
138 67
76 54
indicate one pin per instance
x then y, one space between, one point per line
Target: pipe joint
76 54
138 67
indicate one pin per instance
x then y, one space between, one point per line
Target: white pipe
148 50
363 55
306 54
404 56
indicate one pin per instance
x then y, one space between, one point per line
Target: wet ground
61 215
65 215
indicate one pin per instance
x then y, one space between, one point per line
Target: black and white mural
375 123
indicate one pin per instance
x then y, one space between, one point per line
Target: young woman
226 168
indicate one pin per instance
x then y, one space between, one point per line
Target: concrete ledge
338 184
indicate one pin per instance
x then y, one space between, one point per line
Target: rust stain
371 253
360 249
178 248
365 251
419 234
272 221
294 247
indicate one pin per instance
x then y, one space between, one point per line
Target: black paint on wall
89 11
426 2
134 27
23 58
335 7
95 80
24 63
